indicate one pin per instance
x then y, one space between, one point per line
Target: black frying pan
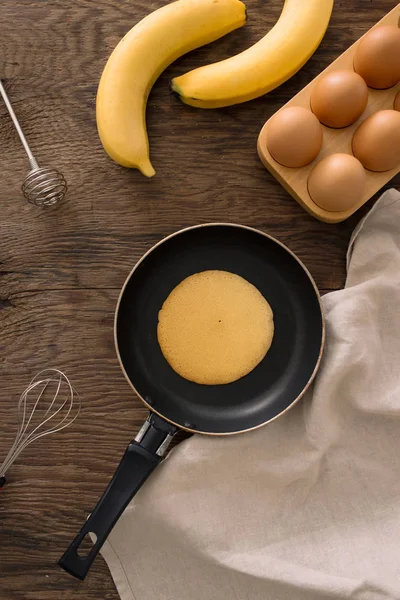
259 397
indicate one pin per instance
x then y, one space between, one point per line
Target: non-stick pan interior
275 383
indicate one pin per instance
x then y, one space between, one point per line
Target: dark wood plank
61 270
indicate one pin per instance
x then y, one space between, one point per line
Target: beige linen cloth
308 507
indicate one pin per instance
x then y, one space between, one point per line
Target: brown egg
377 58
294 136
376 142
337 182
339 98
397 102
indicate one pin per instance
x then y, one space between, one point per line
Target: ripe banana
264 66
138 60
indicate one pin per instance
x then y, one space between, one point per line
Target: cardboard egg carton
294 180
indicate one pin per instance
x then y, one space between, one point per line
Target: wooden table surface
61 270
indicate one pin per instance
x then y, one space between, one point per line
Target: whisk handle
140 459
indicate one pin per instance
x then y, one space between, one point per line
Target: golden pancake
215 327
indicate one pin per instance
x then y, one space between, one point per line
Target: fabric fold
308 507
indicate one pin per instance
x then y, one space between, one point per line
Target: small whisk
48 405
42 186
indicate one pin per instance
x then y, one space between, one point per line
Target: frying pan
176 403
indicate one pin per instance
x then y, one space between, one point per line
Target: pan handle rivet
149 400
189 425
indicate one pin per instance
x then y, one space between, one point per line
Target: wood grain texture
334 140
61 270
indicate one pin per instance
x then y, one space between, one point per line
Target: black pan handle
141 457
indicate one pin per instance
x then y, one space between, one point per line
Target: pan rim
318 296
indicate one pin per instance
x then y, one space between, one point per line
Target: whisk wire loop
44 186
61 408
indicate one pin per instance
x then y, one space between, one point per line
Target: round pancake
215 327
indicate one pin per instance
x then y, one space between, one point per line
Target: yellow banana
264 66
138 60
